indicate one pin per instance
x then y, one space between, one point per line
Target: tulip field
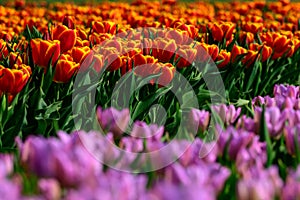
149 100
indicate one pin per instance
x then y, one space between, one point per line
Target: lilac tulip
142 130
50 189
286 91
113 120
291 190
261 184
198 120
228 114
292 136
6 165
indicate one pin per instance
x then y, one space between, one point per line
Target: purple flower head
274 119
198 120
9 190
254 155
210 175
267 100
53 158
291 190
286 91
171 191
112 185
262 184
292 136
246 123
50 189
142 130
113 120
228 114
6 165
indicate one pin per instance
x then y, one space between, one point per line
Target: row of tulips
239 165
43 47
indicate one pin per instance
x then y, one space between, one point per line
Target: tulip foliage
218 77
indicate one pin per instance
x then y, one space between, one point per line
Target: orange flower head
223 56
12 81
223 30
64 70
66 36
45 50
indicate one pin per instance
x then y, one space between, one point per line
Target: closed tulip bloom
253 27
13 80
223 56
14 58
292 137
65 69
68 21
80 53
236 51
250 58
45 50
104 27
112 120
66 36
198 120
163 49
3 49
185 56
167 71
222 31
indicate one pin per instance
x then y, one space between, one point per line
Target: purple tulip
274 120
286 91
291 133
112 120
291 190
142 130
6 165
260 184
50 189
9 190
53 158
267 101
198 120
228 114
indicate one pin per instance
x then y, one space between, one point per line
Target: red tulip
13 80
66 36
44 50
65 69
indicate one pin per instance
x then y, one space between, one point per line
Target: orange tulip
225 57
104 27
163 49
3 50
98 38
246 37
66 36
167 71
80 53
253 27
144 65
265 50
44 50
186 55
14 58
94 61
65 69
13 80
68 21
236 51
223 30
250 58
206 52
